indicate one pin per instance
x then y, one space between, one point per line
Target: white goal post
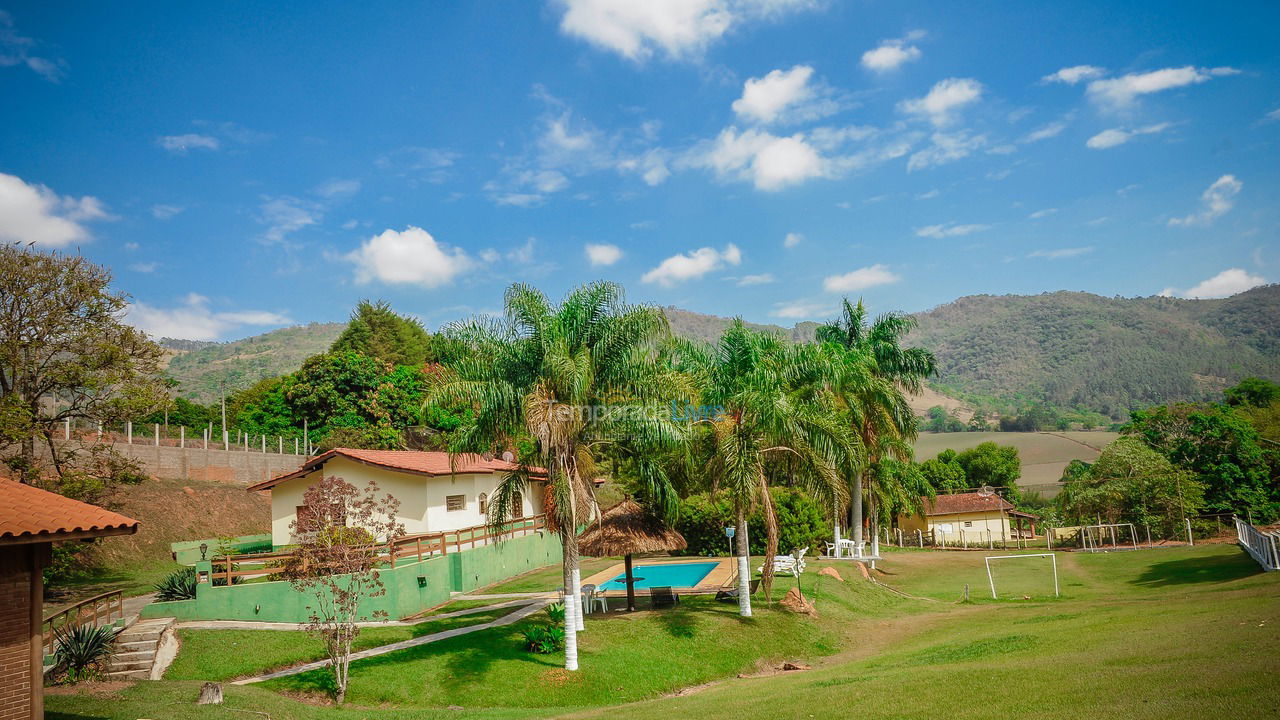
1093 538
1053 557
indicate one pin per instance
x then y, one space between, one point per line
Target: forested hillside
1109 354
199 367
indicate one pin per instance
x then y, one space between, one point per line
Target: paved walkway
251 625
404 644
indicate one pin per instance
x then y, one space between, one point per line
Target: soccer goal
1108 537
1023 579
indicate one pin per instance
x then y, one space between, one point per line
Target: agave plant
82 650
180 585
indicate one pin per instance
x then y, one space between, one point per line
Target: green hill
199 367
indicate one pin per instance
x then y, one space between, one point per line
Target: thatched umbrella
625 529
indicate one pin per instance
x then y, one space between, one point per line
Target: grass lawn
548 578
1149 634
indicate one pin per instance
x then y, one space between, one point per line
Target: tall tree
568 377
763 396
879 410
380 332
67 354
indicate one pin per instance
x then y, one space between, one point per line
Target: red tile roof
965 503
29 514
410 461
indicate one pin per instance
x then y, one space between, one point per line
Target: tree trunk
577 594
744 565
856 527
771 542
570 546
631 587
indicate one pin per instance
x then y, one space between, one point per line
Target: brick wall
16 671
193 462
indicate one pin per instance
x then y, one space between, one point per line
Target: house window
455 502
968 523
484 504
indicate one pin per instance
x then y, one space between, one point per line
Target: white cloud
929 195
1273 115
1218 200
945 148
792 239
951 229
36 214
193 320
164 212
418 163
891 54
181 144
1074 74
338 188
766 160
15 50
1224 284
286 215
801 310
680 29
603 254
1119 136
943 100
1042 213
692 265
783 95
860 279
1120 92
1051 130
144 267
761 279
1061 253
408 257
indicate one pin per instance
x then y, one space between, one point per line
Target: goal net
1108 537
1014 577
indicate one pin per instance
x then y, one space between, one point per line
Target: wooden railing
98 610
228 568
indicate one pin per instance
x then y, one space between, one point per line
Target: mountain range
1071 349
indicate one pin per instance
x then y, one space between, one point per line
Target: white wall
422 497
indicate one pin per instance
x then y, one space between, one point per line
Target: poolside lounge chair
788 564
662 597
730 594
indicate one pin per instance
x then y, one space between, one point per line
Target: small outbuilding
975 516
31 520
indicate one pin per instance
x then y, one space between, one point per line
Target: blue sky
241 167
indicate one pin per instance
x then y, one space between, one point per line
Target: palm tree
877 406
765 394
561 379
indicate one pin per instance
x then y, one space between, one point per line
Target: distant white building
977 517
436 494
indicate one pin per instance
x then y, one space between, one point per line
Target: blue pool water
676 575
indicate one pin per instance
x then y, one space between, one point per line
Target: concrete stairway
136 649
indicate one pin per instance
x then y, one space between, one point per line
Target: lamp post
204 550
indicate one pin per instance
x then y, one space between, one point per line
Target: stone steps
135 651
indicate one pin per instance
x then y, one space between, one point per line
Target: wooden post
128 432
157 434
631 587
66 429
182 436
419 549
280 444
295 446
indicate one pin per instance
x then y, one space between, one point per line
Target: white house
436 493
977 518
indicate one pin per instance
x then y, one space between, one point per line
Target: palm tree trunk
771 543
569 543
856 527
577 592
744 564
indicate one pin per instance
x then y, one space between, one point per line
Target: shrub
180 585
543 639
82 651
555 611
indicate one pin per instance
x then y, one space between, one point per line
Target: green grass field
1148 634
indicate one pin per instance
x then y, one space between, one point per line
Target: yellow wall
948 527
422 497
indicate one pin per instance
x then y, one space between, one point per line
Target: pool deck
716 579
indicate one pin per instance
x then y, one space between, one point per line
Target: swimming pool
676 575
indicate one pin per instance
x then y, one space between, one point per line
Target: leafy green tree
67 354
994 465
379 332
567 377
1131 482
1220 448
877 410
944 476
1252 392
765 393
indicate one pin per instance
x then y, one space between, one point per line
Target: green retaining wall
187 552
410 588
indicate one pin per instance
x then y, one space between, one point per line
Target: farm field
1044 454
1187 631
